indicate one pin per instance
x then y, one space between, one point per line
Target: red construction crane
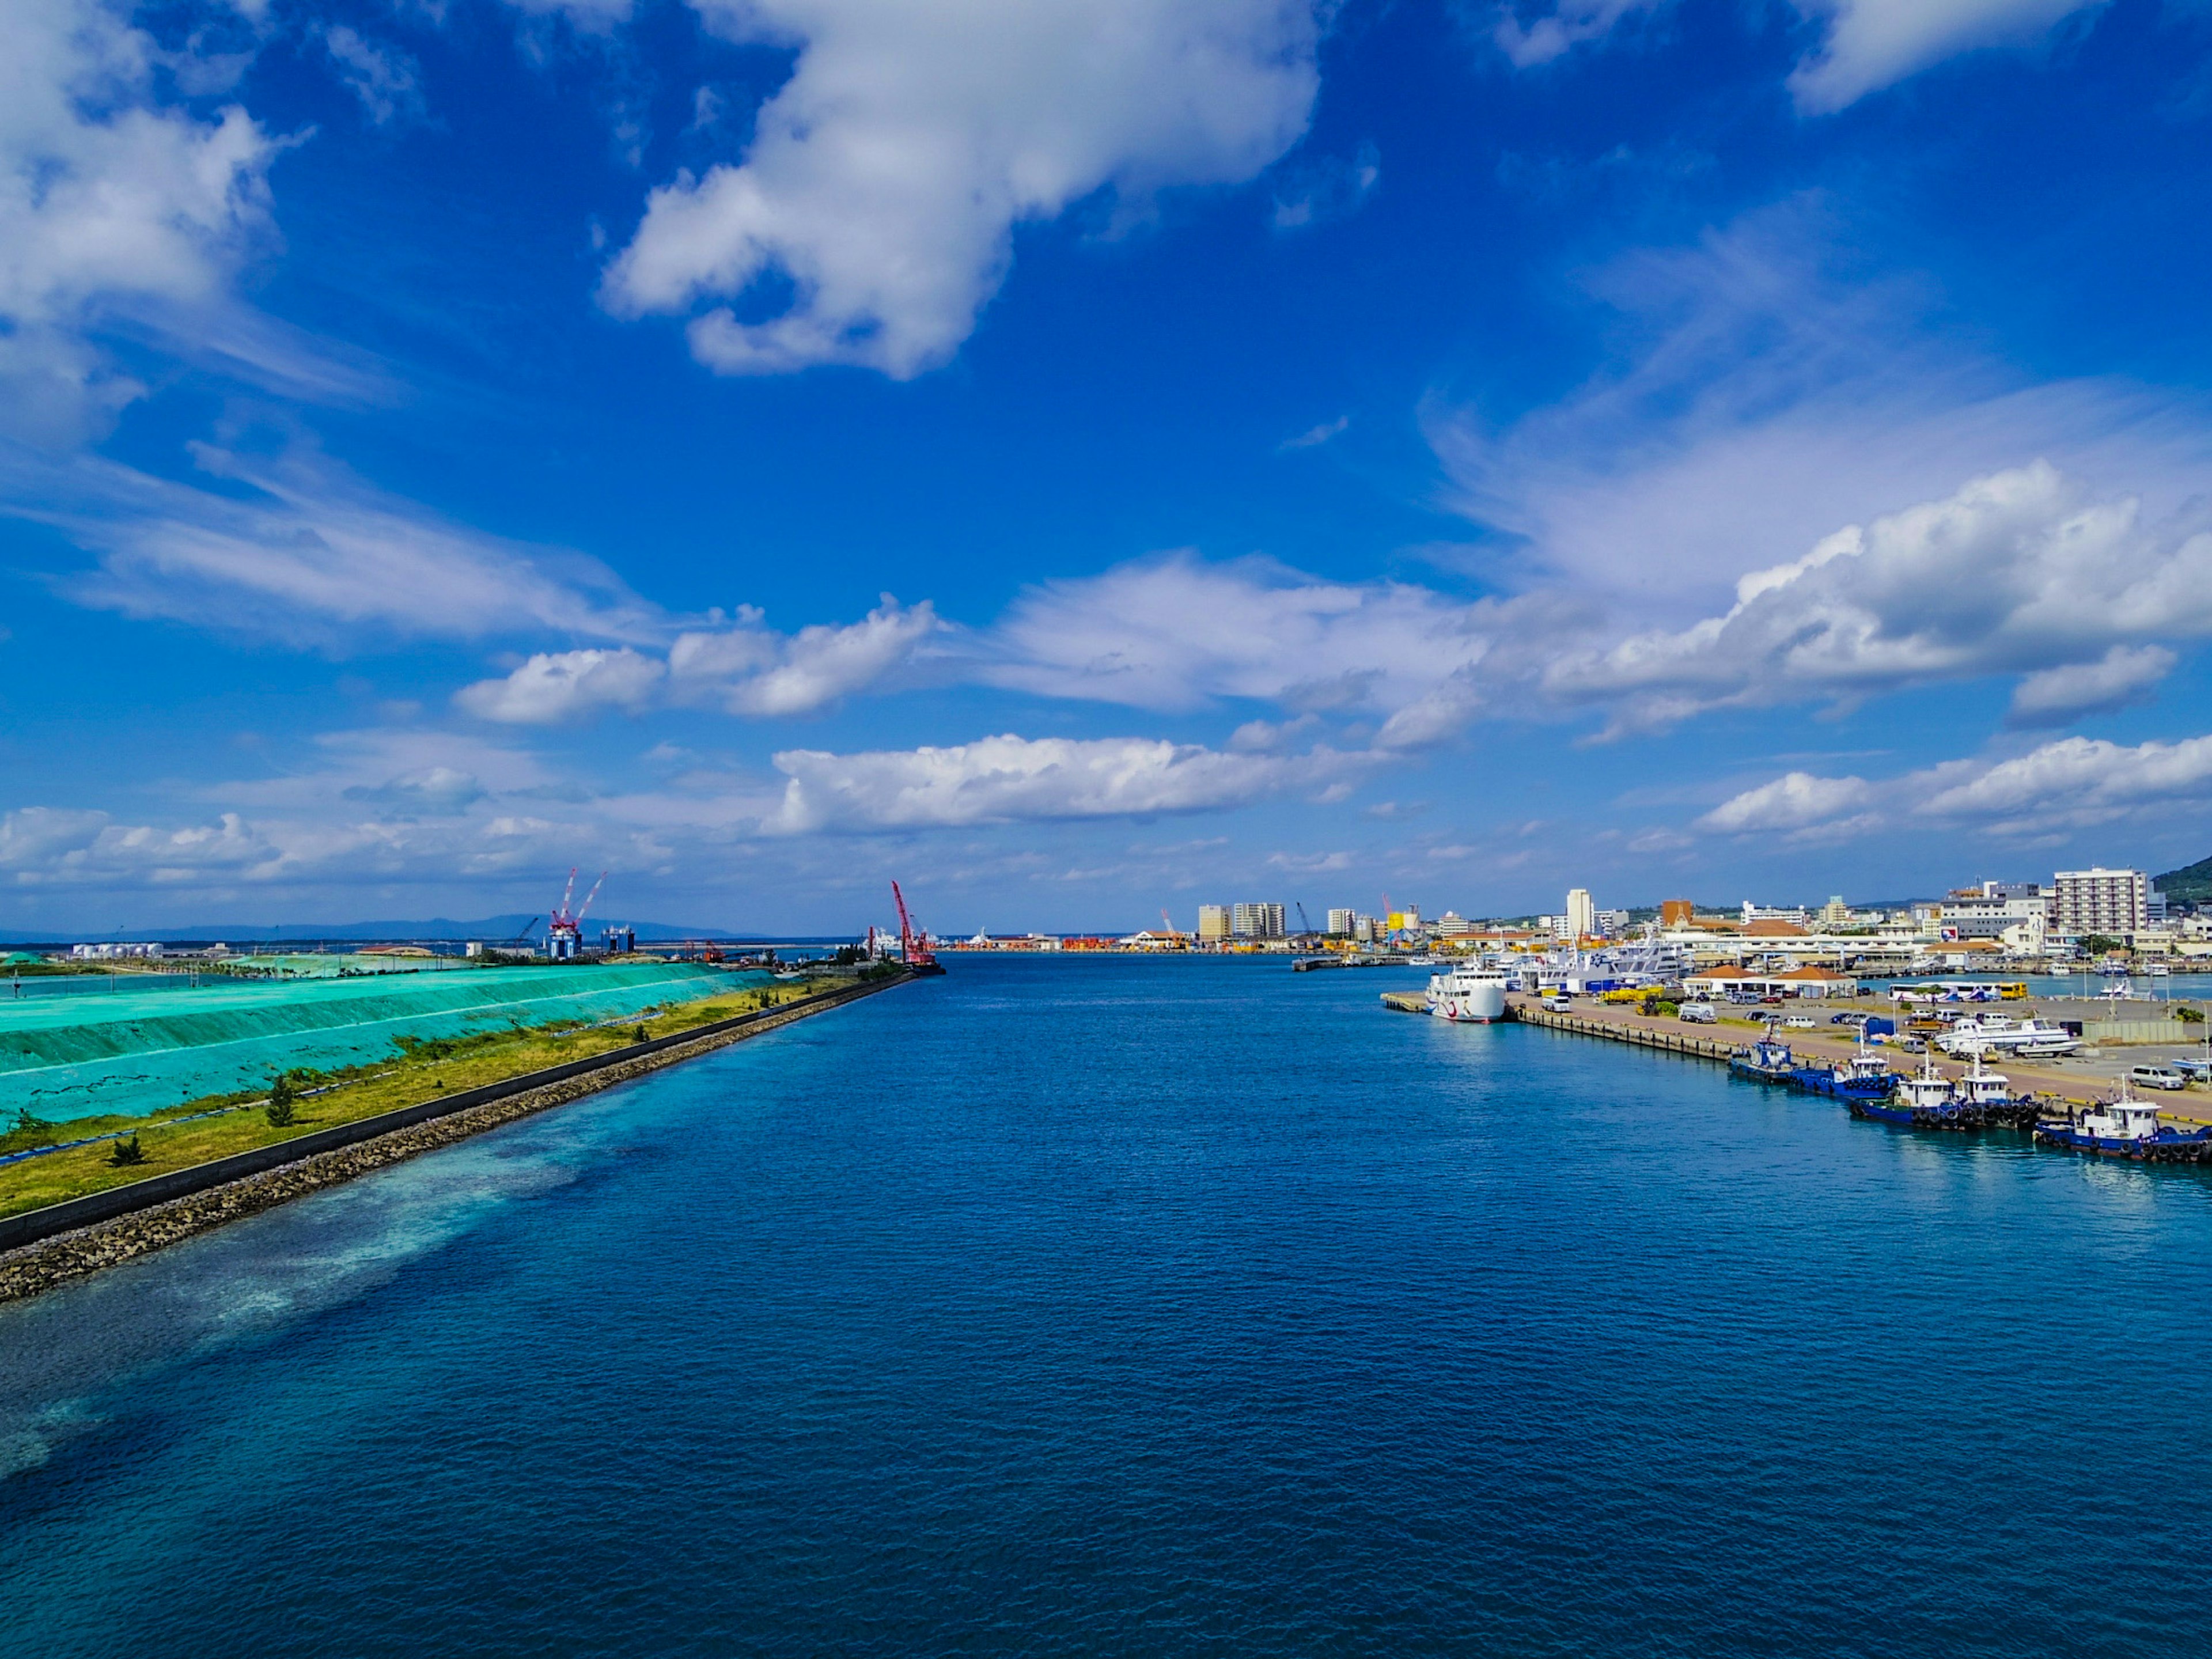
914 945
564 929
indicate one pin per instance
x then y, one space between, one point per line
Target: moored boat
1865 1075
1468 994
2124 1127
1767 1061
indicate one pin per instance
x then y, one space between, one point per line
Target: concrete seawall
42 1248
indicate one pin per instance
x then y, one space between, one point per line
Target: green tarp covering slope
138 1051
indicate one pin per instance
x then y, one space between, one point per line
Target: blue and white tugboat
1865 1075
1926 1101
1767 1061
2124 1127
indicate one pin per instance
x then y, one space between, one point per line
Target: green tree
125 1153
283 1100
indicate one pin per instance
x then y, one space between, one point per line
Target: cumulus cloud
747 669
2012 572
750 670
2124 674
1012 779
886 175
49 847
302 551
109 201
552 687
1793 804
2070 784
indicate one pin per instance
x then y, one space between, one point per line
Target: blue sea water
1141 1307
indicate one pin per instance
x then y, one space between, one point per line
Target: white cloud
751 671
1873 44
1530 40
2012 573
308 554
1314 437
1176 633
747 669
1767 389
1865 45
566 686
386 80
48 847
1011 779
1331 188
2079 780
2124 674
33 836
886 175
1794 803
2071 783
108 203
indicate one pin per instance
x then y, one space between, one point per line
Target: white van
2156 1076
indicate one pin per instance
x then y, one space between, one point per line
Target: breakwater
42 1248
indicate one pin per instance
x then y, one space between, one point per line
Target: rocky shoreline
34 1268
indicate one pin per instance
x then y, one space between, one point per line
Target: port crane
914 945
564 929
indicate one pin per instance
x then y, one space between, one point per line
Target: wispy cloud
297 549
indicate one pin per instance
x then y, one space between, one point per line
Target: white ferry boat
2000 1034
1469 993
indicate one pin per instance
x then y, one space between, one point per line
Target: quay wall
1672 1043
41 1247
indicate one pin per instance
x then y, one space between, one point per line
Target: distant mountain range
2189 885
493 929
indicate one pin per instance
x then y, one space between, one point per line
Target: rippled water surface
1123 1306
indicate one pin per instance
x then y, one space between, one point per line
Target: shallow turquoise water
1141 1307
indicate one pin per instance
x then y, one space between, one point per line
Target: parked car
1799 1022
2156 1076
1700 1013
1849 1016
1559 1004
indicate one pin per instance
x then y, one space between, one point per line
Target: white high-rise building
1256 921
2114 902
1580 920
1339 921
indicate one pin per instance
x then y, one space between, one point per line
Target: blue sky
1091 457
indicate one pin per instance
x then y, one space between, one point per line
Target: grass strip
416 1072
